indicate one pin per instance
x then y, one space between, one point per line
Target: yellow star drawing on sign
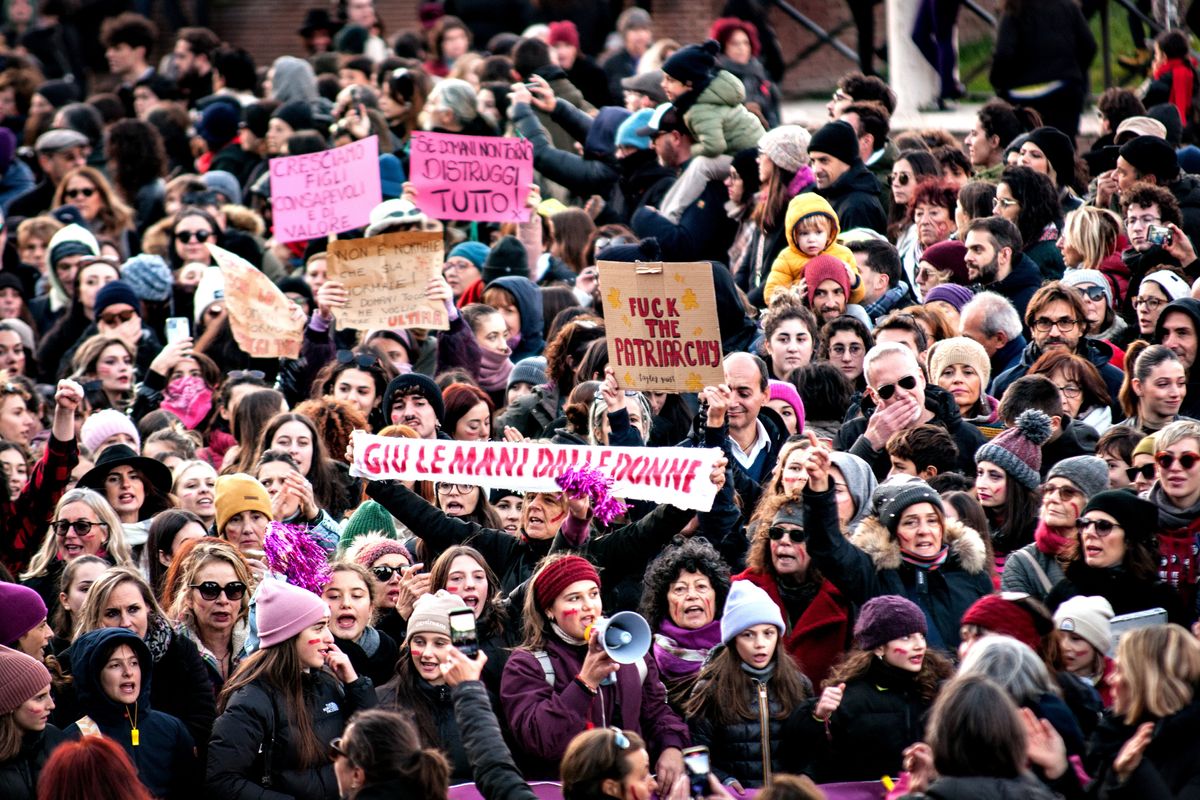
628 378
614 297
679 277
698 331
689 300
694 383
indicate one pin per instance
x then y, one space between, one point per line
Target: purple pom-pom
585 481
291 552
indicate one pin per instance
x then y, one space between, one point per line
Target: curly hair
334 420
787 305
135 152
682 555
1039 202
933 192
565 351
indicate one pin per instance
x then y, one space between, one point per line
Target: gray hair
456 96
883 350
996 314
1013 665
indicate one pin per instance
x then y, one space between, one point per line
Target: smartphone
695 760
462 632
177 328
1159 235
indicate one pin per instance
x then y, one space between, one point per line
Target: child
711 101
1084 638
923 452
812 229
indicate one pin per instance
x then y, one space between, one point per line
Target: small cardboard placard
386 277
265 322
474 178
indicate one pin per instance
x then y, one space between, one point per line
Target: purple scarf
679 653
493 370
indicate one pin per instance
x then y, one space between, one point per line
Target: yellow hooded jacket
789 265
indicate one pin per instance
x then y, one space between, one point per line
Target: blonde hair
1160 666
114 216
115 547
184 466
203 553
91 615
1093 233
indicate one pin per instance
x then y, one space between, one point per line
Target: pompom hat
1018 451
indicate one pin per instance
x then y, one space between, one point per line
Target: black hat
317 19
1168 115
666 119
745 164
408 384
298 114
508 257
1151 155
9 280
1059 150
218 125
122 455
836 139
1130 511
258 116
693 64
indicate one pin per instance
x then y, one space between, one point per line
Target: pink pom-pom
585 481
291 552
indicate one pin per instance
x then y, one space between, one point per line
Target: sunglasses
775 533
71 194
1093 293
384 574
238 374
81 527
118 317
908 383
187 236
361 359
901 178
1103 527
1145 470
211 590
1167 460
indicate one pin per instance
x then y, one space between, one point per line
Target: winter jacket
643 182
855 198
492 767
255 726
982 787
544 718
1076 439
533 414
440 707
19 775
1170 765
1048 41
758 87
789 265
1176 532
703 231
819 636
735 749
719 122
1187 192
1021 575
16 181
1018 286
1094 350
380 665
595 172
882 713
1125 592
1048 257
529 304
966 436
870 564
164 754
566 91
1006 358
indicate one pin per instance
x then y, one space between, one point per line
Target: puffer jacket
870 564
595 172
19 775
440 706
1099 354
255 724
1025 787
718 120
736 750
788 267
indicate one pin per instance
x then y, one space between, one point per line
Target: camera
1159 235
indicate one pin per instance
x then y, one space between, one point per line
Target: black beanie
1151 155
258 116
745 164
646 251
1129 510
1059 151
414 383
508 257
693 64
298 114
836 139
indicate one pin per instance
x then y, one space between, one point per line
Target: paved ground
811 114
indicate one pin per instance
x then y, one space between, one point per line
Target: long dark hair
407 696
1012 522
386 747
491 618
1039 202
327 492
854 665
724 690
135 151
163 530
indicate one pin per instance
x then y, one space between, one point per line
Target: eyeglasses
1147 220
71 194
384 574
1044 324
1151 303
335 749
901 178
1167 460
797 535
908 383
117 317
1064 492
841 350
454 488
211 590
1145 470
1004 202
360 359
187 236
81 527
619 738
1071 390
1093 293
1103 527
238 374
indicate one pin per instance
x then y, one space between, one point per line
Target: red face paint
314 641
898 651
570 612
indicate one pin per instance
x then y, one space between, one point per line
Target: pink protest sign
317 194
476 178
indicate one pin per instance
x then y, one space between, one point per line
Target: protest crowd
518 405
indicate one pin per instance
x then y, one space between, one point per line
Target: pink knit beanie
21 677
105 423
285 610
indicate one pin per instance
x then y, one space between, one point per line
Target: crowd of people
953 549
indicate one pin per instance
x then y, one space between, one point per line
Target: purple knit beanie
885 618
24 610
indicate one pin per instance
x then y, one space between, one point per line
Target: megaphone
625 636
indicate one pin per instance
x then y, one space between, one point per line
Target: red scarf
1049 541
1182 77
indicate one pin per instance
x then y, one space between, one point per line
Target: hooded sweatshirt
529 341
1191 307
788 268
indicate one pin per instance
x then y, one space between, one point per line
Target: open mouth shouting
345 622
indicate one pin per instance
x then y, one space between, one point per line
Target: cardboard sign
476 178
317 194
265 323
386 277
661 325
680 476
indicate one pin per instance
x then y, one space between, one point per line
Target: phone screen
177 328
695 761
462 632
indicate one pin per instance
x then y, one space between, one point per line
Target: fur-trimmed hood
966 545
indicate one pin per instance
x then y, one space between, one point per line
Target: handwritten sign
265 323
477 178
316 194
661 325
680 476
386 277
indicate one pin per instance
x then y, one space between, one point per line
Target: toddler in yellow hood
812 230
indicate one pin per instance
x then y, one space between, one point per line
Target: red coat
821 635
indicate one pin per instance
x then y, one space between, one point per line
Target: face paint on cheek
314 641
570 612
898 651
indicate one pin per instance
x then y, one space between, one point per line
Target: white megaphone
625 636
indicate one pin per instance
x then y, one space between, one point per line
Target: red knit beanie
994 613
556 576
564 32
826 268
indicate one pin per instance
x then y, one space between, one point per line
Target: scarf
679 652
189 399
1048 540
493 370
931 563
761 675
1182 78
566 637
158 637
369 641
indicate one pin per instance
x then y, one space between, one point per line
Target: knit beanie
1088 618
746 606
556 576
1059 151
211 289
148 276
1137 517
1018 451
223 183
9 280
826 268
371 547
1148 446
21 678
951 294
627 131
895 495
218 125
1173 286
351 40
115 293
563 32
1151 155
885 618
236 493
1088 473
431 614
104 424
693 64
71 240
782 390
960 350
475 252
405 384
508 257
948 256
530 370
1082 277
1172 123
789 514
836 139
297 114
787 146
745 164
996 614
284 610
24 610
369 517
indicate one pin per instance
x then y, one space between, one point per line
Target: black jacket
1049 41
1019 285
1123 591
1170 766
966 436
643 182
492 766
855 198
1187 191
255 719
380 666
703 230
591 173
1097 353
1025 787
440 706
19 775
735 751
1076 439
